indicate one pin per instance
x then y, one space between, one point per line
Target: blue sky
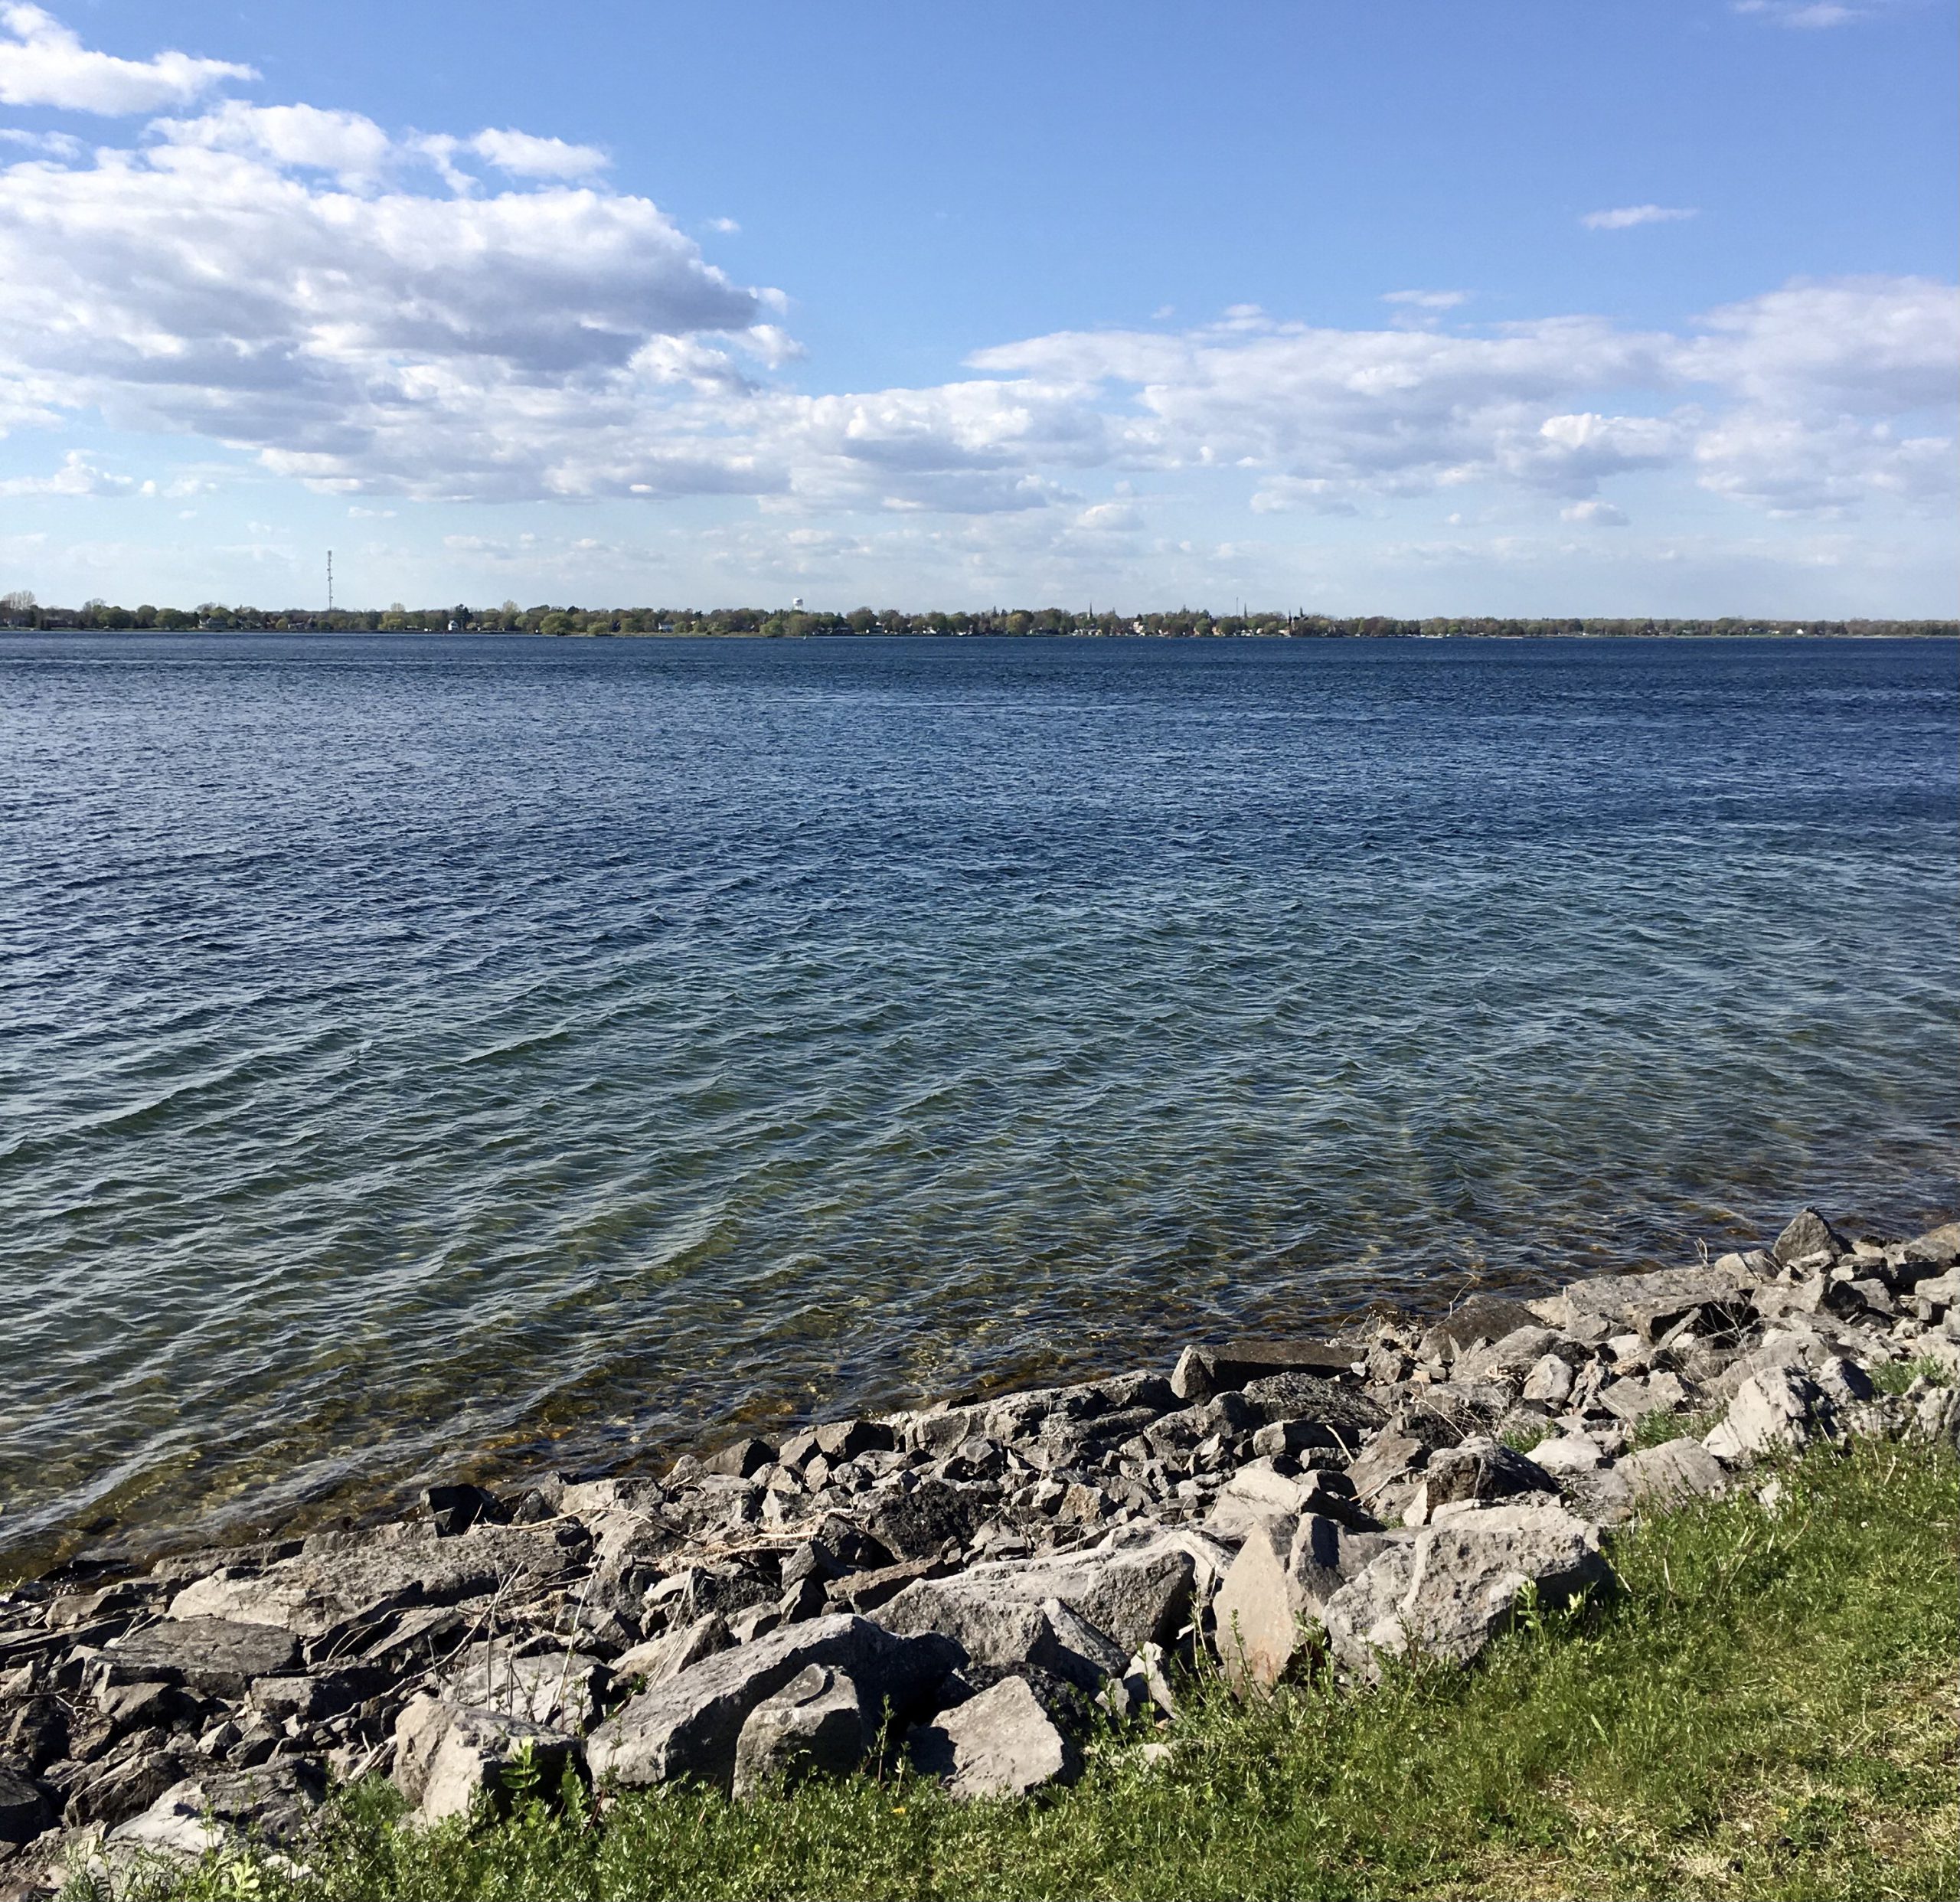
1409 306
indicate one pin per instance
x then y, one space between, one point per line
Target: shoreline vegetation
1645 1586
20 612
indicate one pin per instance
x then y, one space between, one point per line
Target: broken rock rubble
965 1585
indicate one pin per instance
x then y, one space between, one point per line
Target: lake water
424 1057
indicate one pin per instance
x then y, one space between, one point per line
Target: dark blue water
421 1056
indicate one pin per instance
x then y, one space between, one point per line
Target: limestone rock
1481 1468
1597 1306
316 1595
1000 1744
1487 1317
1136 1597
1447 1592
1776 1407
1809 1233
816 1724
447 1756
1549 1379
216 1655
556 1689
1202 1371
1285 1572
1677 1469
271 1804
690 1725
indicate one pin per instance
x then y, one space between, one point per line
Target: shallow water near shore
440 1056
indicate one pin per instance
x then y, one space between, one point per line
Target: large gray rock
667 1656
689 1726
556 1689
1677 1469
1481 1468
1135 1596
1449 1590
216 1655
1809 1233
1775 1408
24 1811
1286 1571
1938 1248
815 1725
447 1754
1202 1371
1650 1303
1486 1318
1000 1744
316 1595
272 1805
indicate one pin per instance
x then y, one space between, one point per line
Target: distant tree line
21 609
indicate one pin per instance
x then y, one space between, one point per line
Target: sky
1353 306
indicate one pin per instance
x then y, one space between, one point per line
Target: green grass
1894 1377
1656 1429
1766 1709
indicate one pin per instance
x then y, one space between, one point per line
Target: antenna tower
330 580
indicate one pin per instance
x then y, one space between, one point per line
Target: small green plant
1894 1377
1656 1429
523 1775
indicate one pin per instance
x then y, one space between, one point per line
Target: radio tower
330 580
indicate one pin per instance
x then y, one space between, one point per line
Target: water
428 1057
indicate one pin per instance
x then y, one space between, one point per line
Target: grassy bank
1767 1710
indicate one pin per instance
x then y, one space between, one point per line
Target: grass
1894 1377
1766 1709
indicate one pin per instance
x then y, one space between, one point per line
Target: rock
1776 1407
1844 1383
660 1658
1446 1593
1676 1470
271 1805
1000 1744
37 1734
745 1458
218 1656
558 1690
24 1810
1651 1303
1203 1371
1566 1453
1632 1401
1549 1381
1285 1572
454 1509
842 1439
320 1594
1938 1248
814 1725
1481 1468
1257 1489
922 1523
1136 1596
1485 1317
865 1592
1810 1233
1388 1459
111 1792
689 1726
448 1754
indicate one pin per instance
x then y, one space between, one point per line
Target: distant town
21 610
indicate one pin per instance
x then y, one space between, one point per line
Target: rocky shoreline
973 1586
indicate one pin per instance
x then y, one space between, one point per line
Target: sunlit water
425 1057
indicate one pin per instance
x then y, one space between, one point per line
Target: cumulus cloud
363 311
525 156
42 63
76 476
1623 217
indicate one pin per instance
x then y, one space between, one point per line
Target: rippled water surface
426 1056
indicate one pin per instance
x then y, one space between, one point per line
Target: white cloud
1594 515
76 476
296 283
727 227
42 63
525 156
1804 15
1623 217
